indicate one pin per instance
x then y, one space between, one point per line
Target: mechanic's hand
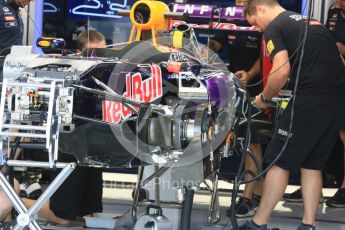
258 103
22 3
243 76
204 52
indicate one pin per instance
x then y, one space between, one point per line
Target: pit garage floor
118 199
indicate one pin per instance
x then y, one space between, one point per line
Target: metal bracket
213 209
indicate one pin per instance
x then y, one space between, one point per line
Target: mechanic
11 27
11 33
90 39
336 25
81 193
304 140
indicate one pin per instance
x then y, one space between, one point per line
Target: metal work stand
18 120
213 209
140 183
136 194
28 217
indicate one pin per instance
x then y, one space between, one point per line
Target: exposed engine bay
110 111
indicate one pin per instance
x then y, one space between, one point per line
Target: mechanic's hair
250 5
89 36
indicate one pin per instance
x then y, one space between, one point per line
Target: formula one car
154 101
139 104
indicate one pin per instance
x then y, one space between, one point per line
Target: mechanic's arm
341 48
277 79
20 3
245 76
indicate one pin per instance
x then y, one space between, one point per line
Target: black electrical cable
256 162
249 172
241 165
210 25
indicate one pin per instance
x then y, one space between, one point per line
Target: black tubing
187 206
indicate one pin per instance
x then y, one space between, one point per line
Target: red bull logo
137 89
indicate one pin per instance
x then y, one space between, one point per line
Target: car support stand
28 217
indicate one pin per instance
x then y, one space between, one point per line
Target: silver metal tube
24 127
18 227
28 145
17 203
2 102
45 93
125 13
34 226
213 209
16 134
136 194
109 90
50 113
34 164
174 15
254 115
31 85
